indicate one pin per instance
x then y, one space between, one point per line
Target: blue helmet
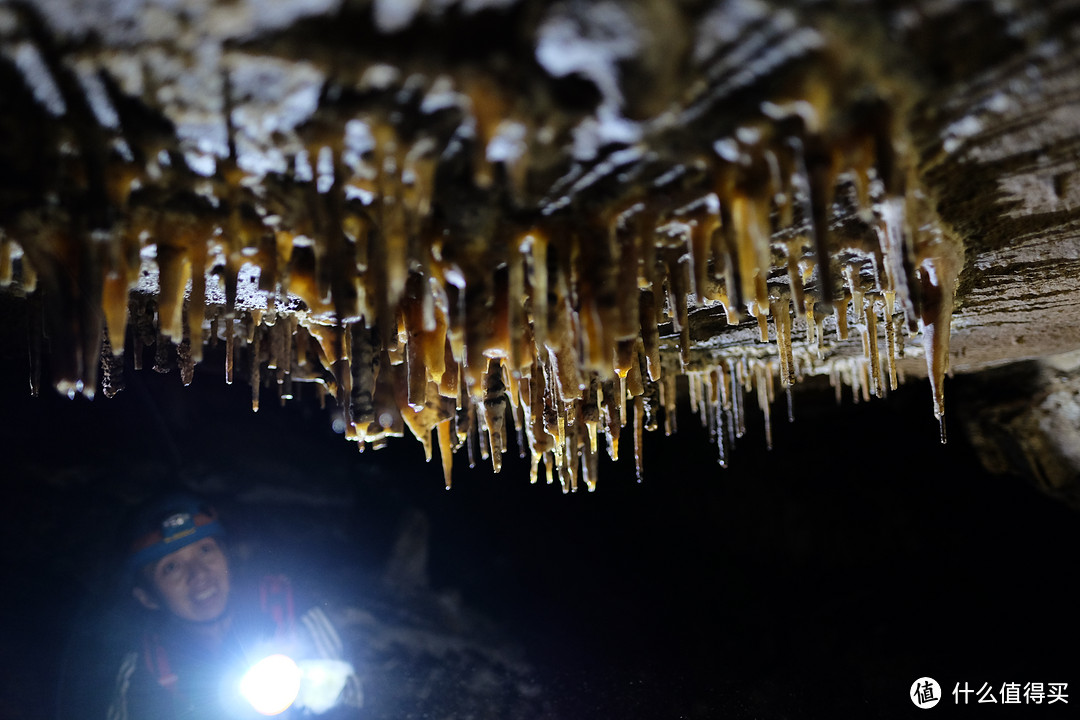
165 524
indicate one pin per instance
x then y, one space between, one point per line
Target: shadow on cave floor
818 580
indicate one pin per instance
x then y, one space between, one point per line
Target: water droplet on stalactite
722 458
613 427
255 368
470 440
589 467
446 451
484 440
937 281
737 400
519 432
639 449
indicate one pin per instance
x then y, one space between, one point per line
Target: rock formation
478 217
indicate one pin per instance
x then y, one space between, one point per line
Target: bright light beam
272 684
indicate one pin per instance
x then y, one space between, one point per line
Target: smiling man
181 565
202 633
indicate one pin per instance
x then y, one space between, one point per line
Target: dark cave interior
816 579
819 579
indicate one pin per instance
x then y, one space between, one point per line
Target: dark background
817 580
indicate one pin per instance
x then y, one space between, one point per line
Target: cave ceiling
465 220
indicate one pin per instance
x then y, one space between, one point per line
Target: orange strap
276 601
157 662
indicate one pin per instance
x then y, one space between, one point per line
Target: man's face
193 582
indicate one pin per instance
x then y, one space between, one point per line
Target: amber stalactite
421 259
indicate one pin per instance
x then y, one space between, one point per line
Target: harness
275 603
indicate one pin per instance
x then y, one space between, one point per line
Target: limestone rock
465 217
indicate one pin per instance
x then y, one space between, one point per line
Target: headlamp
277 682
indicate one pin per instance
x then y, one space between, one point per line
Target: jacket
173 676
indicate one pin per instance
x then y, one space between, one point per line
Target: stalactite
426 285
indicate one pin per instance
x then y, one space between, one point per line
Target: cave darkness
816 580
